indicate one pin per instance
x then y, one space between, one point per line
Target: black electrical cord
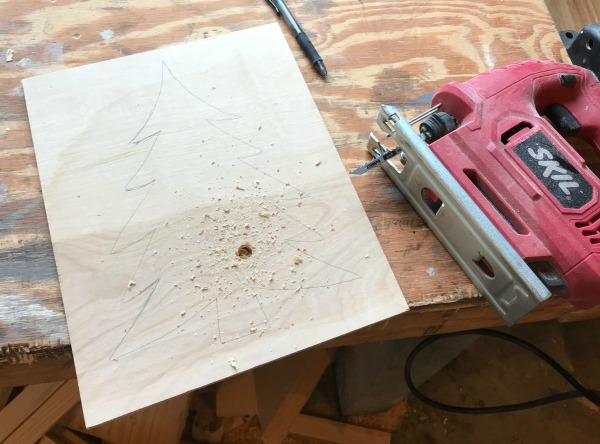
580 391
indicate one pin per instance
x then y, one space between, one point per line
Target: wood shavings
239 187
232 363
24 62
264 214
317 162
298 260
198 264
130 284
182 313
9 54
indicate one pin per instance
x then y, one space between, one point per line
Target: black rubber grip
308 48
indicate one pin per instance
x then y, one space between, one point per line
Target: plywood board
201 219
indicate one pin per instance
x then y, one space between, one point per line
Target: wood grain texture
196 202
376 52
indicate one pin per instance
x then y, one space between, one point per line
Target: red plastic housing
537 198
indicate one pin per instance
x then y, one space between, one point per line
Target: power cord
579 392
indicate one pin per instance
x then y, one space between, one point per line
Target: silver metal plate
493 265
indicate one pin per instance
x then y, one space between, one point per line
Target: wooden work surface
395 52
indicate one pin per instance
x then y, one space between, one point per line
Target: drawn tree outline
149 140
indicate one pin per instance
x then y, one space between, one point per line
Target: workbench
395 52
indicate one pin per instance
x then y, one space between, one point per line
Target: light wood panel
197 203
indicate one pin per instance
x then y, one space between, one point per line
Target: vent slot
593 234
493 199
511 133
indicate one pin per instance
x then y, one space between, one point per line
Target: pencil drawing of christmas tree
241 236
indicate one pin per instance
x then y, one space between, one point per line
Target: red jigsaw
526 138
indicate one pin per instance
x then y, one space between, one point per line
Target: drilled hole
569 35
245 251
